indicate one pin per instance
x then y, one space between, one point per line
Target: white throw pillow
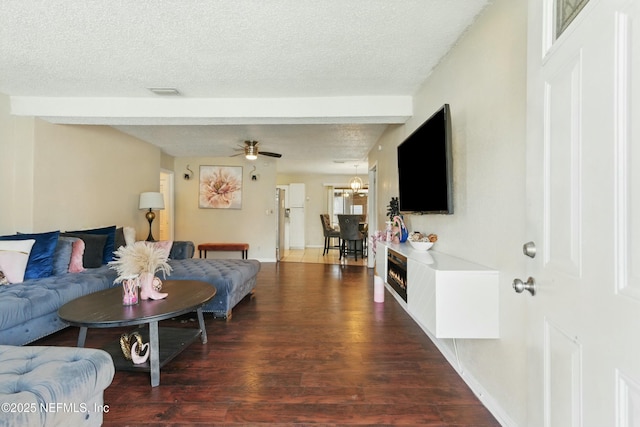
14 255
129 235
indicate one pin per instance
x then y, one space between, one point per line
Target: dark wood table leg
154 357
82 336
203 330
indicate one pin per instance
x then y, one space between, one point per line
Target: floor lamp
151 201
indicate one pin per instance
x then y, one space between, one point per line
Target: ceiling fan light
251 152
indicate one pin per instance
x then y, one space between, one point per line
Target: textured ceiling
79 61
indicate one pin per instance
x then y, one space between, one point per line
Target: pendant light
356 183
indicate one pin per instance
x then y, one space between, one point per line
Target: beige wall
16 170
70 177
98 174
254 223
167 162
484 81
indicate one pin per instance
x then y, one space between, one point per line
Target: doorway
166 216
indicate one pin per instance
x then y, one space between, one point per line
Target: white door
296 195
583 193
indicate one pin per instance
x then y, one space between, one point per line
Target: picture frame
220 187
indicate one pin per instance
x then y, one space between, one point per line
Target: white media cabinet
447 296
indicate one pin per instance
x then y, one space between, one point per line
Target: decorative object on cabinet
422 242
379 236
399 230
393 208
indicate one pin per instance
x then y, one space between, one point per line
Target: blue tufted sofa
51 386
28 310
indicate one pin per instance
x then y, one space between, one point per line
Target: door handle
530 285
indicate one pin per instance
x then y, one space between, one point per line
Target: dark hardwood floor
311 348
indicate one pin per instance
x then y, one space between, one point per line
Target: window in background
346 202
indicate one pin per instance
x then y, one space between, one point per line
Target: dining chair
350 236
329 233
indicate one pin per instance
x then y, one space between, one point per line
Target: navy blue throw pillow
93 248
109 246
40 262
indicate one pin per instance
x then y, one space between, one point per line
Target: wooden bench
242 247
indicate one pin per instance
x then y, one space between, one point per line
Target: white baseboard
476 387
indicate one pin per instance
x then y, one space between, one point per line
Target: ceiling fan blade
270 154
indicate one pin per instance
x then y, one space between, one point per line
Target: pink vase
130 291
147 290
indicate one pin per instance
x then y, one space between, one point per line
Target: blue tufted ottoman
51 386
234 279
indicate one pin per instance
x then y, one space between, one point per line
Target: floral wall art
220 187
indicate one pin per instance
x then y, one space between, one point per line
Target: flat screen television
425 167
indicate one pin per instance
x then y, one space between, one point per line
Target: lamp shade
151 200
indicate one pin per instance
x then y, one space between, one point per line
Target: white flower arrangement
138 258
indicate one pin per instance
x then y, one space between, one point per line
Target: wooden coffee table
104 309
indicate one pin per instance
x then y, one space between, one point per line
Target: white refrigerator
296 216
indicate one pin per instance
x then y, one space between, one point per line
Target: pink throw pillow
165 245
14 255
77 251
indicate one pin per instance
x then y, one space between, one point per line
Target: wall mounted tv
425 167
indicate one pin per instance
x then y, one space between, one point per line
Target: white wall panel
628 401
627 159
562 210
563 378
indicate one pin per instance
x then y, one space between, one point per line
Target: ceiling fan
251 151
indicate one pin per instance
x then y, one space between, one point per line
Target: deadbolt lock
529 249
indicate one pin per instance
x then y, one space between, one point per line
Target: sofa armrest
182 250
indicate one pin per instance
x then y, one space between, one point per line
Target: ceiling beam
212 111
